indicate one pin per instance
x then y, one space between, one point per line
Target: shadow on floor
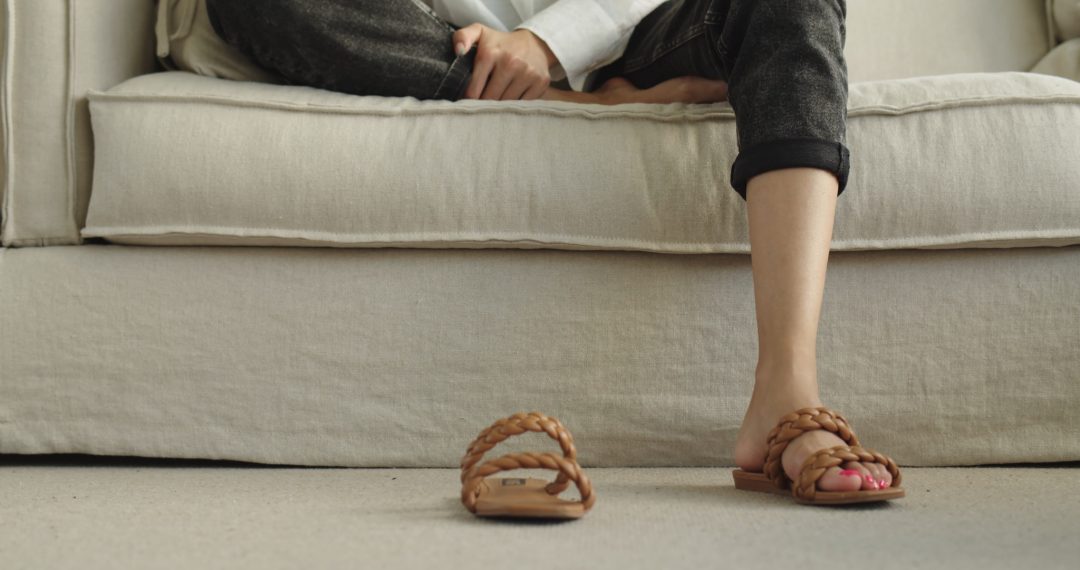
84 460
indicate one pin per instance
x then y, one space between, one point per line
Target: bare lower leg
553 94
617 90
790 213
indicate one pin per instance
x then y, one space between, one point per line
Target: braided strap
567 468
821 460
795 424
518 423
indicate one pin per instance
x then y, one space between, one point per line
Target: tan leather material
568 469
805 490
795 424
514 425
814 467
472 475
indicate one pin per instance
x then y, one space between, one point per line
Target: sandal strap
795 424
519 423
815 466
567 468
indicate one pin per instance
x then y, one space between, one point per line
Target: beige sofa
203 267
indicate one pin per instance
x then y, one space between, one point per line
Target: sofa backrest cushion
889 39
1066 17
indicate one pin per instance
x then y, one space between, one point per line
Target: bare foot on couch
617 90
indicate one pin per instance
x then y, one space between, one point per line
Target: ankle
799 375
786 389
787 358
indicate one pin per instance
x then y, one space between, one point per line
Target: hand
685 89
508 65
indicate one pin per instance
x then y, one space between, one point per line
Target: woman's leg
791 214
784 64
364 47
787 82
788 85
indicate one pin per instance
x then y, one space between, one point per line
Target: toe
837 479
868 481
883 475
873 467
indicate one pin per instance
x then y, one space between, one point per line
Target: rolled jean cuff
457 78
790 153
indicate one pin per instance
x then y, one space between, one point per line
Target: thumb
466 37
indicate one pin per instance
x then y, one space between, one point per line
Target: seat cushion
967 160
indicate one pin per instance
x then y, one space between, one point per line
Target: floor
89 512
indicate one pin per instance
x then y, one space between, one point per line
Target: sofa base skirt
400 357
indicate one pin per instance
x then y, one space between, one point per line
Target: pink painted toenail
849 472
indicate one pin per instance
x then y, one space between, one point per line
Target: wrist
542 45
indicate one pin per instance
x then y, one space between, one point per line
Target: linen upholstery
184 159
55 51
397 357
380 357
1066 17
1064 59
889 39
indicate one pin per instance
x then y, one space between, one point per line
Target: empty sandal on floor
516 497
805 491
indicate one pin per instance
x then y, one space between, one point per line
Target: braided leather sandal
805 491
534 498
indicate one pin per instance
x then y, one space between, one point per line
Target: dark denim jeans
783 61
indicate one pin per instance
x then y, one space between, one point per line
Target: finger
517 88
466 37
536 90
482 67
499 81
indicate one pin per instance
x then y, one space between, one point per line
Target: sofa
216 266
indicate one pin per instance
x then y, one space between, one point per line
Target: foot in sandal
767 407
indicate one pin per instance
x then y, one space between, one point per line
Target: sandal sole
524 498
758 482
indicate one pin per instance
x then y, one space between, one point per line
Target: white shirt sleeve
587 34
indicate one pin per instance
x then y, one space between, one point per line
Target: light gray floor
117 513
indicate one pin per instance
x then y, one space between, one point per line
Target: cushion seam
1051 27
872 109
5 111
98 96
69 126
888 243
